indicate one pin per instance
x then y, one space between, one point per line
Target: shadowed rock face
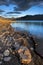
11 42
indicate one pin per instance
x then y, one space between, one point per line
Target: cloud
13 12
2 2
22 4
25 4
10 15
2 10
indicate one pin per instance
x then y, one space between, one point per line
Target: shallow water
34 27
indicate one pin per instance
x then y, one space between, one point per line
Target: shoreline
21 37
38 41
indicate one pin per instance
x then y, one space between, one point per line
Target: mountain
31 17
27 17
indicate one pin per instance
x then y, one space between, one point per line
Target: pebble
0 48
6 53
32 48
36 44
0 62
6 59
1 56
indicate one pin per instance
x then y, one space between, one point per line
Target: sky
18 8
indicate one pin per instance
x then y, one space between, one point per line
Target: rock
1 56
16 45
6 52
6 59
1 62
0 48
25 55
32 48
36 44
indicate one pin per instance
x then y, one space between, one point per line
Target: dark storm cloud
25 4
2 2
22 4
13 13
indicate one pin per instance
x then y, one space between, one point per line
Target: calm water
34 27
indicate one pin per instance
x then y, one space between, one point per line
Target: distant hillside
6 20
30 17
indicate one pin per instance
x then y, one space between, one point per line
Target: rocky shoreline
17 48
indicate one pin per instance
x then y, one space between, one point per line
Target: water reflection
34 27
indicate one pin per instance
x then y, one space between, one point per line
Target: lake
33 26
